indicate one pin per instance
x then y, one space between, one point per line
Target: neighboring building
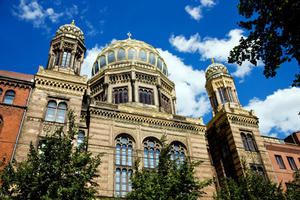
285 156
129 103
15 90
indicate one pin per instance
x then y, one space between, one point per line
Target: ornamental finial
212 60
73 22
129 35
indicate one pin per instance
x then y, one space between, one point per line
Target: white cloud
213 48
35 13
71 12
278 112
91 55
189 83
207 3
195 12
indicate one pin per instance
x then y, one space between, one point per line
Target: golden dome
129 50
215 69
70 30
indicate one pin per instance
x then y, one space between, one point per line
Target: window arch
66 59
0 93
123 164
178 152
151 152
152 59
102 61
96 67
120 95
248 142
111 57
56 113
131 53
143 55
80 138
9 97
146 96
121 54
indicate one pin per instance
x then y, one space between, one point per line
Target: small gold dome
214 70
129 50
70 30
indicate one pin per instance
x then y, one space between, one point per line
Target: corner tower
67 50
58 88
233 133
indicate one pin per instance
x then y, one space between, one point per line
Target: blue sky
186 32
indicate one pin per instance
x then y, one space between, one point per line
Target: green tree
274 34
168 181
56 170
250 187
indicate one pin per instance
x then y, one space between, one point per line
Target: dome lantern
214 70
70 30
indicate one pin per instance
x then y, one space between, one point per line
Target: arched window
56 113
121 54
165 70
230 94
61 112
102 61
250 142
159 63
178 152
96 67
66 59
152 59
120 95
80 138
0 93
244 140
111 57
131 53
123 164
146 96
151 152
9 97
143 55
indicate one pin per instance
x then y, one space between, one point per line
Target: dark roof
16 75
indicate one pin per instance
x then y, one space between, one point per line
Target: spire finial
73 22
129 35
212 60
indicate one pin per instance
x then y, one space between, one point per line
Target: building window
165 103
244 140
66 59
178 153
213 100
258 169
143 55
0 93
230 94
80 138
131 53
146 96
123 165
292 163
9 97
280 162
222 94
151 152
111 57
120 95
152 59
121 54
56 113
248 142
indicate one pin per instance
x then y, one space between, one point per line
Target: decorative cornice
66 83
248 121
136 118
